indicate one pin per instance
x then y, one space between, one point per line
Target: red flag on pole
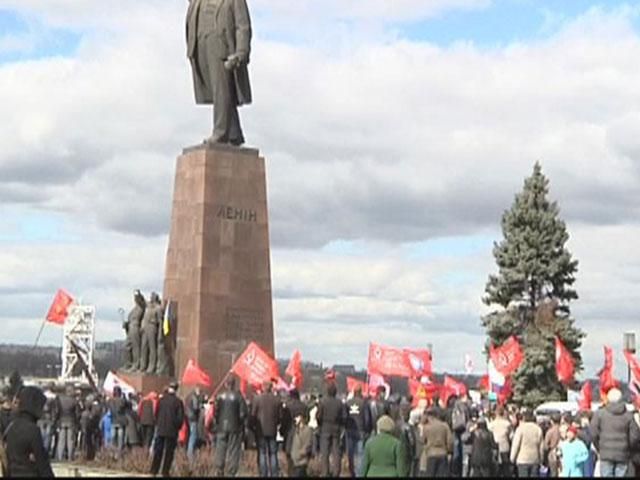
586 397
418 361
353 383
607 381
294 369
452 387
505 392
508 357
59 310
388 361
255 366
484 384
565 366
194 375
634 366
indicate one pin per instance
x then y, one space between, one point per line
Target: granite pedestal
218 260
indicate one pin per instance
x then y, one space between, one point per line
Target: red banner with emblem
255 366
508 357
401 362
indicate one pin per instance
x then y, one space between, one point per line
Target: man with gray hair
614 432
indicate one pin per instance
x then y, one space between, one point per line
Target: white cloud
386 142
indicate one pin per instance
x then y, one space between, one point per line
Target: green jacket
384 457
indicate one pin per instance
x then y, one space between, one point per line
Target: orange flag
59 310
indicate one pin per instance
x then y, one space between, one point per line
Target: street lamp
629 343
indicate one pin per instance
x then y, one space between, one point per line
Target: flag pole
44 321
221 384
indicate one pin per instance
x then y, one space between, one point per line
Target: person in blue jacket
105 427
574 454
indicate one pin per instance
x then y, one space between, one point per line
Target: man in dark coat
355 431
230 414
332 416
147 414
118 408
24 446
266 411
293 408
484 451
375 408
68 415
614 432
218 47
169 422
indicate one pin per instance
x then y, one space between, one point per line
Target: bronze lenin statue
218 47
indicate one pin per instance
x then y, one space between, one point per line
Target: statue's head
138 298
155 298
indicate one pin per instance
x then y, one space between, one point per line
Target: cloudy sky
396 132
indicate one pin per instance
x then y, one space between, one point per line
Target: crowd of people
379 435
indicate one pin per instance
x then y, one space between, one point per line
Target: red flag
451 387
505 392
418 361
194 375
586 396
280 384
59 310
607 381
565 366
294 369
388 361
483 383
376 380
634 366
255 366
424 389
183 434
508 357
352 383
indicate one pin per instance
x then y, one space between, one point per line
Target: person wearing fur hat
383 453
26 456
573 454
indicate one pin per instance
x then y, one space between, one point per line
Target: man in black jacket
614 432
375 408
293 408
230 414
169 422
267 414
355 431
24 446
331 421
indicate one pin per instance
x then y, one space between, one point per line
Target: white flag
112 381
468 364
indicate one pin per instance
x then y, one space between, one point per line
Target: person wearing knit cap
383 453
573 454
614 432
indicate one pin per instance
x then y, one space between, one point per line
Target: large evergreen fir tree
532 291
